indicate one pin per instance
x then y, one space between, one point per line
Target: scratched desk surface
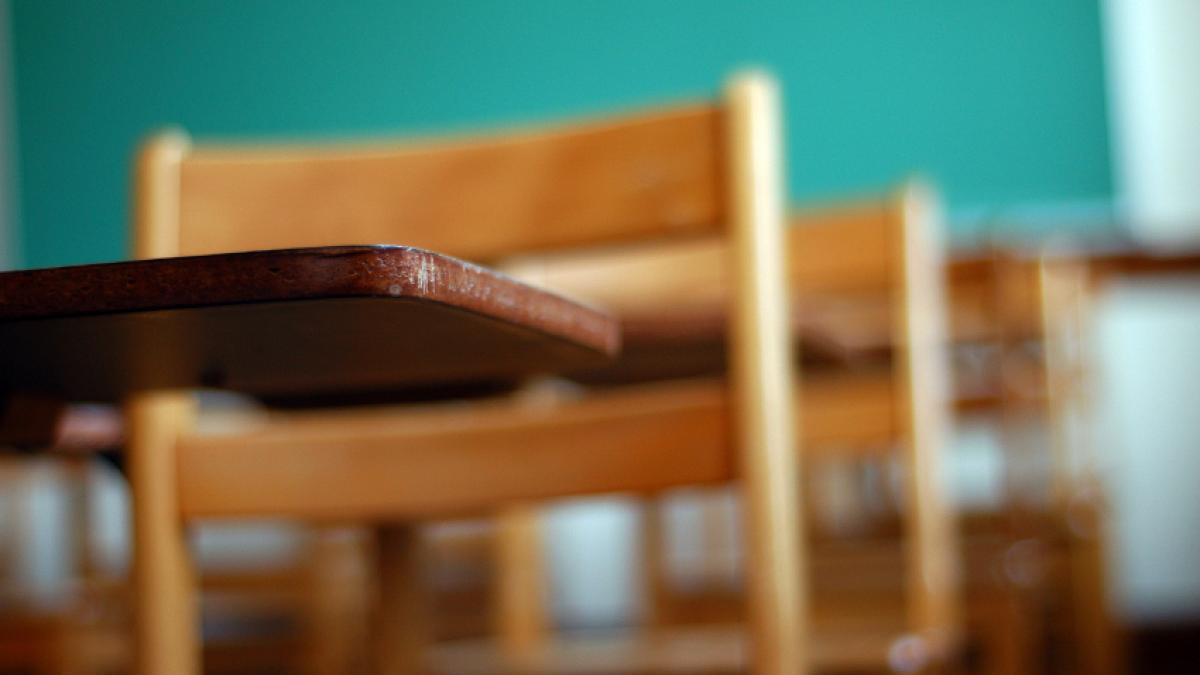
285 322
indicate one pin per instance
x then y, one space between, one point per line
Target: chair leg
401 628
921 376
165 610
337 618
520 596
657 611
763 388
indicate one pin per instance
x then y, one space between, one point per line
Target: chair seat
285 322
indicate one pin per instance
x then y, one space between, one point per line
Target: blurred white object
1154 83
592 546
1148 341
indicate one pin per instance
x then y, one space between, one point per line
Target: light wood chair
44 630
910 343
1019 327
867 288
82 628
687 171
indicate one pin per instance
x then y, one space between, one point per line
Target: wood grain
288 321
407 461
838 249
166 611
442 460
643 175
401 620
922 390
673 297
763 379
166 604
522 584
526 446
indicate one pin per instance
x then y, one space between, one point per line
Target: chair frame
159 423
888 244
886 249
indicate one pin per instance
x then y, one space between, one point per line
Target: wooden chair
676 173
1019 328
83 628
867 289
42 631
909 297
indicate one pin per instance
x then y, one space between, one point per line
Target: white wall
1148 348
1153 50
1149 333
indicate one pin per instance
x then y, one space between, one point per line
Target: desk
282 322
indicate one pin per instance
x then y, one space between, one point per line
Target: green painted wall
1001 101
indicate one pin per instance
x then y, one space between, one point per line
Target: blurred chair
668 174
259 617
73 624
1035 573
867 290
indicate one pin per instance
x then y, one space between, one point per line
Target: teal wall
1002 102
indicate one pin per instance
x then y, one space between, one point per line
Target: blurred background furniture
867 295
1036 589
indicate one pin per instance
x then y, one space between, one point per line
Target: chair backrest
837 250
642 176
873 269
834 250
687 171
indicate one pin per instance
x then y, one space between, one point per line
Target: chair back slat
834 250
646 176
